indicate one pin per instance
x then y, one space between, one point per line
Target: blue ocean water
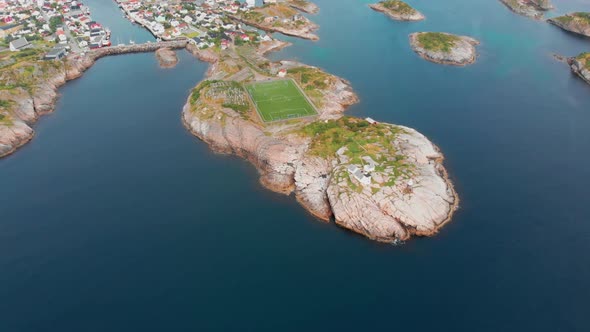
115 218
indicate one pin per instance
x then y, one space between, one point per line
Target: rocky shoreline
40 100
410 15
452 50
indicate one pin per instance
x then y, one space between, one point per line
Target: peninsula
444 48
384 181
530 8
279 17
575 22
398 10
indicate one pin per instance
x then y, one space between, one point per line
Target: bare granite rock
460 52
14 136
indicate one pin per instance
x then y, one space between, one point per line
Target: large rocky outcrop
530 8
13 135
444 48
398 10
575 22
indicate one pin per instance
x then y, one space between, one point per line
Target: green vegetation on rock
437 41
358 138
580 17
398 7
584 58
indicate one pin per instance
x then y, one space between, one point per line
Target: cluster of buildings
67 23
363 175
204 21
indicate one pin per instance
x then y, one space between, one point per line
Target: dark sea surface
115 218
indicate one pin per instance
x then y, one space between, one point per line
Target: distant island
575 22
444 48
398 10
530 8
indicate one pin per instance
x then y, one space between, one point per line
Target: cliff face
460 51
576 22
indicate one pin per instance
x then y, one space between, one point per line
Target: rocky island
279 17
398 10
575 22
444 48
383 181
166 57
580 65
530 8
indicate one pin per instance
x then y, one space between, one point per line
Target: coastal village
56 28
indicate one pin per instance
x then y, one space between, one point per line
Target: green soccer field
280 100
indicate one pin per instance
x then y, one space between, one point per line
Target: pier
136 48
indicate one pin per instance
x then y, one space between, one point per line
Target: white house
370 164
19 44
358 174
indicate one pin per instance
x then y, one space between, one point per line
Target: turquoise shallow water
115 218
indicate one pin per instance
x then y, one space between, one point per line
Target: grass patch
437 41
579 17
584 58
280 100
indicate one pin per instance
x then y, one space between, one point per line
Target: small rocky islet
398 10
444 48
166 57
530 8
